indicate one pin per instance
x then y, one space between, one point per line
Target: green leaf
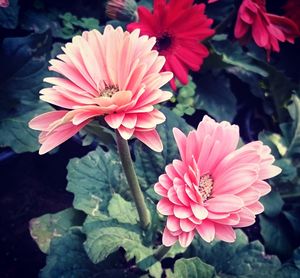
106 237
149 164
15 133
219 10
9 16
93 179
88 23
233 54
296 257
68 259
293 217
253 80
289 171
273 203
217 100
288 271
95 131
26 61
46 227
275 142
192 268
292 131
122 211
238 259
175 250
280 90
276 235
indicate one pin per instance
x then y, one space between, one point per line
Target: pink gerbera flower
115 75
179 27
266 29
214 187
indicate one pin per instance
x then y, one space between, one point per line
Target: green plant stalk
161 252
132 180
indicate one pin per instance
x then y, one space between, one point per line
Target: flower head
214 187
179 27
266 29
292 11
116 75
4 3
125 10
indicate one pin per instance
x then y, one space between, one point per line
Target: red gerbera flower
266 29
179 27
292 11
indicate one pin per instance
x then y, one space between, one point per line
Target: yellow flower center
205 186
109 90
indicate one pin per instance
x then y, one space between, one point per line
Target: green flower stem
161 252
132 180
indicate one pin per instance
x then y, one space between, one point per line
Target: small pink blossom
115 75
4 3
214 187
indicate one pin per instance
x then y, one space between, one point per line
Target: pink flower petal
172 196
165 207
249 196
263 187
180 167
168 239
43 121
225 233
129 120
256 208
212 215
206 230
56 138
159 189
269 172
171 172
173 223
151 139
114 120
165 181
185 239
126 133
121 98
235 179
180 139
247 218
182 212
199 211
224 203
82 116
186 225
231 220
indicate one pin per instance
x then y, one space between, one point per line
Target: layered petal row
214 187
116 75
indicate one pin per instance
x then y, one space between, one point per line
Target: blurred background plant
235 83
